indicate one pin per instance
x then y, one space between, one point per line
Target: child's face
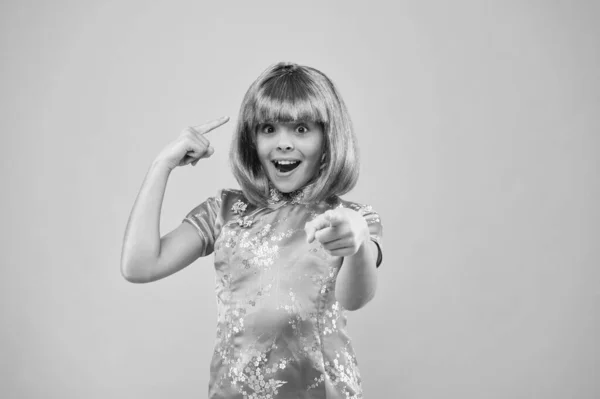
290 152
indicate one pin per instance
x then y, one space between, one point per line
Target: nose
284 142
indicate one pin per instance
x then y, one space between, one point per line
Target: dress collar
276 197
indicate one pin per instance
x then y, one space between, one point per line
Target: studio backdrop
477 124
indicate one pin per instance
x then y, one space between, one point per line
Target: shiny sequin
239 207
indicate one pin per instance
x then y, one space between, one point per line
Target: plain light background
478 125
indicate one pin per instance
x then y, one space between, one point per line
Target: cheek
315 160
261 150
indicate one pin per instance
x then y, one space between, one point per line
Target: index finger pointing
208 126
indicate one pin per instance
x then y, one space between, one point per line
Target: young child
290 255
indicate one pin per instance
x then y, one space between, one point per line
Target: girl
290 255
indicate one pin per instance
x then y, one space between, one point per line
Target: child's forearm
141 244
357 278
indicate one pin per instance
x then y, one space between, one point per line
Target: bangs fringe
287 98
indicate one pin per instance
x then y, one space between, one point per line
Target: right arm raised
145 255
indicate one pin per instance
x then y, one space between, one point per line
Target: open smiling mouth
286 166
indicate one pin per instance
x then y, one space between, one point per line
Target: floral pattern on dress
280 329
344 374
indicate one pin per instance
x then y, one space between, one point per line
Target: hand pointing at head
191 145
341 231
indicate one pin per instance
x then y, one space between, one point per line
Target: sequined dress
281 333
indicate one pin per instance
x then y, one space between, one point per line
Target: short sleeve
206 219
374 223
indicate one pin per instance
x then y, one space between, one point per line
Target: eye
302 129
267 129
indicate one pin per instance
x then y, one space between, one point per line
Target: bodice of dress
281 333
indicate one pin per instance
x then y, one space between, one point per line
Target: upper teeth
286 162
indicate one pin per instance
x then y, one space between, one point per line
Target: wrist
162 165
370 250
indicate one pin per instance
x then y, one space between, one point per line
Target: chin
288 187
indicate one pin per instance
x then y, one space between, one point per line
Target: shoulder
230 194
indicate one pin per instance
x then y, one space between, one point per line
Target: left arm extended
344 232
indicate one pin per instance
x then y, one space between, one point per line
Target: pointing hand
341 231
191 145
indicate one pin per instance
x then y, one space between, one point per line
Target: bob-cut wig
287 92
